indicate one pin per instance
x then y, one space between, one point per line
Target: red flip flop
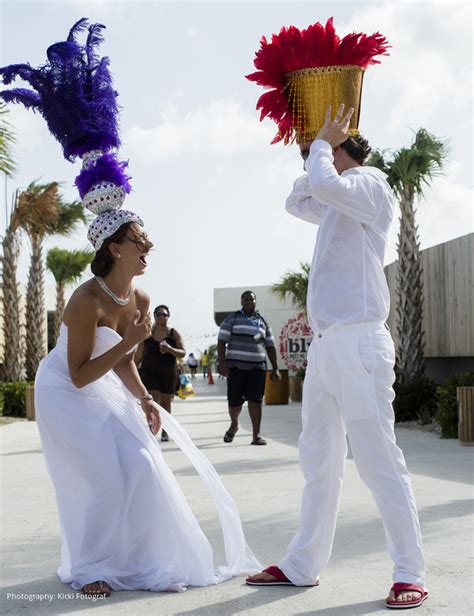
280 578
400 587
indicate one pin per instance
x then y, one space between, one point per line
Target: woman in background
157 359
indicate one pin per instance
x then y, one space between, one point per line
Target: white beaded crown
107 223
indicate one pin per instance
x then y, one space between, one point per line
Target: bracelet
146 397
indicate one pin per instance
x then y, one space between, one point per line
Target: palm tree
410 170
67 267
12 350
36 214
41 212
12 340
7 139
294 285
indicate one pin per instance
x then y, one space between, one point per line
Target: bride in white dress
125 524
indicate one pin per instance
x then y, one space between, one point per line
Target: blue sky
208 185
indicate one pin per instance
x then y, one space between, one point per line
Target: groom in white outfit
348 383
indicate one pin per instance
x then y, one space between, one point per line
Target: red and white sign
295 338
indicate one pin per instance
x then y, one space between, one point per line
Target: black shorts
163 380
245 385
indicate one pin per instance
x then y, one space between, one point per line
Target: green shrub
425 415
412 397
447 411
13 398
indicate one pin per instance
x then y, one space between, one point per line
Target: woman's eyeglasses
161 314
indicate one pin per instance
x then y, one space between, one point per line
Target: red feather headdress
306 70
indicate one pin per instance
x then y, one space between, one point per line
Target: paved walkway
266 483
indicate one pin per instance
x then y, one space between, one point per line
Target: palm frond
68 265
413 168
426 142
69 216
377 159
42 211
37 209
294 285
7 139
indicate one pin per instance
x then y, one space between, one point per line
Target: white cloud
30 128
192 31
445 213
220 127
425 82
427 75
97 5
283 168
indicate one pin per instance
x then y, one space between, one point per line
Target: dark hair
357 147
161 306
247 293
103 261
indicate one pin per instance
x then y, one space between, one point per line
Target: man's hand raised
335 131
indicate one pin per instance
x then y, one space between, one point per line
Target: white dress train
123 516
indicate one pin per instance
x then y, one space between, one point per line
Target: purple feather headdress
73 91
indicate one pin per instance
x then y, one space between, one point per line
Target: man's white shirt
353 210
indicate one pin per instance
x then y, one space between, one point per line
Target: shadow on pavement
355 540
185 422
233 467
239 605
21 453
350 609
426 454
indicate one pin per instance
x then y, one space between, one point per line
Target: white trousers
348 390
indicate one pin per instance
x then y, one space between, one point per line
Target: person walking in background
192 365
205 363
157 360
243 338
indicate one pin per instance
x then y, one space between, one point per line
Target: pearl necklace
111 294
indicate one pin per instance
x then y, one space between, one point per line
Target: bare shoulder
84 301
142 300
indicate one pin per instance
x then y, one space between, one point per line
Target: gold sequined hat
307 70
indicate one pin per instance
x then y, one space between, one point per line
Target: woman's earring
119 256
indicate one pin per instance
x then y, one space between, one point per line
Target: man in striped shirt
248 339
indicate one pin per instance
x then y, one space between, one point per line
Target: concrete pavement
266 484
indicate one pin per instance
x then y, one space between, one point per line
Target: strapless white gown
123 516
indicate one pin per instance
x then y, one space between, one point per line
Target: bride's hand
152 412
137 330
